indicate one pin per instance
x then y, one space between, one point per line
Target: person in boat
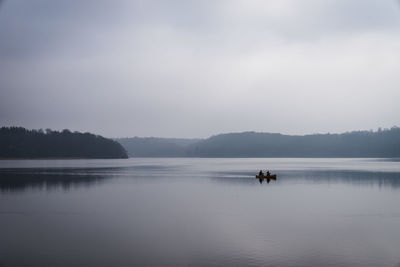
268 173
261 173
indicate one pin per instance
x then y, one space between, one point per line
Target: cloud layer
195 68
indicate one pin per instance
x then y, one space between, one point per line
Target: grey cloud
193 68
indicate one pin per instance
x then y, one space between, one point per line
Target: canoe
272 176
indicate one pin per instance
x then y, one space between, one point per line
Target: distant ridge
381 143
18 142
156 147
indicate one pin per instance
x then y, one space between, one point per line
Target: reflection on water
48 179
28 178
199 212
14 180
380 179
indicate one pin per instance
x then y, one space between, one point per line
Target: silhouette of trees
382 143
18 142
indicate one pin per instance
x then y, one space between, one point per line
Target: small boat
271 176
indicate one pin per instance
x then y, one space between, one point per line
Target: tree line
18 142
381 143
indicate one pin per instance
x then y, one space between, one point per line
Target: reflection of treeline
382 143
12 180
373 178
18 142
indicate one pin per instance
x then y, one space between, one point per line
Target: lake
199 212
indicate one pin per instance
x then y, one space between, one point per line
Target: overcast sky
198 68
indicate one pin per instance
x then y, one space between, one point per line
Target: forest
18 142
364 144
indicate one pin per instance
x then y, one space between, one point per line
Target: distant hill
382 143
156 147
18 142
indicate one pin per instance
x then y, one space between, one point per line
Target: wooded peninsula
18 142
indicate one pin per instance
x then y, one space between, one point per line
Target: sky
198 68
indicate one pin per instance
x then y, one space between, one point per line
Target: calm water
199 212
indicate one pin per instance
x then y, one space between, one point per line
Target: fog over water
194 69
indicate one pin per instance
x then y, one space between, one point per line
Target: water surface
199 212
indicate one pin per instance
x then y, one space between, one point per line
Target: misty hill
384 143
18 142
156 147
